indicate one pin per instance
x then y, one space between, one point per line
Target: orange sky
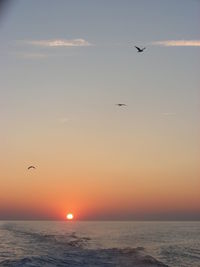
96 180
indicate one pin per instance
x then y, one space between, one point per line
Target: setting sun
69 216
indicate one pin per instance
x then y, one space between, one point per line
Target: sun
69 216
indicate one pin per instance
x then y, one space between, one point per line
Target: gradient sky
64 65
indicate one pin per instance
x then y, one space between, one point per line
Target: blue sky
113 27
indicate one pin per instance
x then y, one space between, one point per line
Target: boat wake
39 249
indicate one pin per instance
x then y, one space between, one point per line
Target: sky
64 66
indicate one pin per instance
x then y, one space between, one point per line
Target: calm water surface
107 244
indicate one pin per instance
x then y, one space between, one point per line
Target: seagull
140 49
31 167
121 105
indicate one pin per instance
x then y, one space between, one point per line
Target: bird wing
137 48
31 167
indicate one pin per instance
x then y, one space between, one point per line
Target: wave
181 255
50 250
68 239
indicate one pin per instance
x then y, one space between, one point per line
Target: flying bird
31 167
140 50
121 105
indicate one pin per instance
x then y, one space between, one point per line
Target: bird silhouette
140 50
31 167
121 105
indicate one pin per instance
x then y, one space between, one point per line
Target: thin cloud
59 43
32 55
168 114
63 120
177 43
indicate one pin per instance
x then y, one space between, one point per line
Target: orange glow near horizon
94 181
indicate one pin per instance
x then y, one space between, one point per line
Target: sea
97 244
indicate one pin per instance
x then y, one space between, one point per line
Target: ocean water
95 244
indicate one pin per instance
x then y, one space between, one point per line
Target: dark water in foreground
98 244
